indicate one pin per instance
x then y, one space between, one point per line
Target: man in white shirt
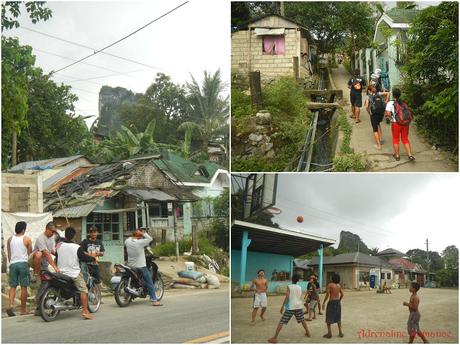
68 256
18 248
135 246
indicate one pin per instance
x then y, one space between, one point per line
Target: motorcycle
58 293
129 284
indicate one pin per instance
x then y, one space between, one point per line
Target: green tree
165 102
209 108
335 24
17 66
188 128
431 73
53 129
11 10
125 144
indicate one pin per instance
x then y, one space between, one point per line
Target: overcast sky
386 210
193 38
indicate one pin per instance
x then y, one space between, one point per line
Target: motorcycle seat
61 277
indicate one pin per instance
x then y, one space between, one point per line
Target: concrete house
355 269
274 45
390 42
23 185
207 181
404 270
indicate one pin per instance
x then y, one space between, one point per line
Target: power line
91 48
106 76
85 63
121 39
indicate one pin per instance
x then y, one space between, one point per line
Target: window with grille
108 225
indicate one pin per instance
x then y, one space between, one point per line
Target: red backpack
403 114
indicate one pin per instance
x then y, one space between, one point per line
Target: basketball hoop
272 210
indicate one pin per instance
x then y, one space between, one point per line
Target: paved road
185 317
362 139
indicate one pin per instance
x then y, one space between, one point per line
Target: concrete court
361 310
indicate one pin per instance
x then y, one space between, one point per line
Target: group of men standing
22 256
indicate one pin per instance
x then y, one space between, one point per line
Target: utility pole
357 273
427 261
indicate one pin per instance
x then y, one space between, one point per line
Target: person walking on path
260 286
400 117
356 86
292 305
18 248
375 106
334 309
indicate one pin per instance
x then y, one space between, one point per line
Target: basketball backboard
258 192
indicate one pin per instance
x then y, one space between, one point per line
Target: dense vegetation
431 73
290 121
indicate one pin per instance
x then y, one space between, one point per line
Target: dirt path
364 311
362 140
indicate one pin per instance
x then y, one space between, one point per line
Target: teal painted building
272 249
389 47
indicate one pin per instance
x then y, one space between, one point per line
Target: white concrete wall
15 201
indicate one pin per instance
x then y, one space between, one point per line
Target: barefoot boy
311 298
413 327
260 286
293 306
333 311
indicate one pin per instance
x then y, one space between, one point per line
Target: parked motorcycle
129 284
58 293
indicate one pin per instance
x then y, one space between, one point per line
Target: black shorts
375 121
356 99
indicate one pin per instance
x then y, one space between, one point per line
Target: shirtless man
333 311
260 286
413 327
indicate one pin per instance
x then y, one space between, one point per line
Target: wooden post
195 248
256 89
295 66
175 232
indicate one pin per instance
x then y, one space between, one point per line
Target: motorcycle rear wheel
122 297
94 298
50 296
159 287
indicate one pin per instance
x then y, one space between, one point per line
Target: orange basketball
299 219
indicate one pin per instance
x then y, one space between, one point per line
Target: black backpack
377 104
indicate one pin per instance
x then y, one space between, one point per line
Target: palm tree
209 107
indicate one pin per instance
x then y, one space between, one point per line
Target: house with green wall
389 47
